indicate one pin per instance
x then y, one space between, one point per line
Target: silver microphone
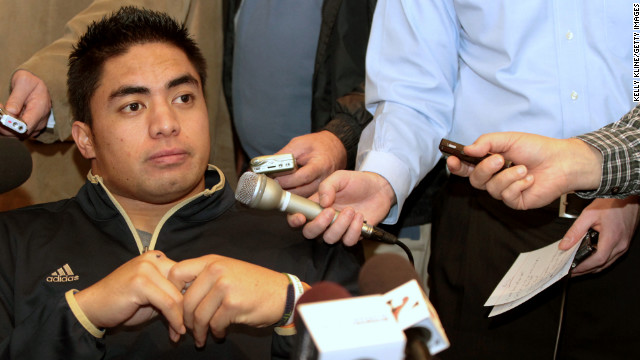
261 192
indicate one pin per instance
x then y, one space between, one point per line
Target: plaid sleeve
619 144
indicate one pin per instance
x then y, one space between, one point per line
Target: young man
134 240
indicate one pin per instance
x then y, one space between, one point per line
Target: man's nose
164 121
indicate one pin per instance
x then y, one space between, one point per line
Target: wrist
81 316
295 289
586 166
386 189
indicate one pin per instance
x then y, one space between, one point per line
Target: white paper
531 273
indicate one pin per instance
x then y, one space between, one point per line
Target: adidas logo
63 274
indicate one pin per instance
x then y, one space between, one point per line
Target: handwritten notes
531 273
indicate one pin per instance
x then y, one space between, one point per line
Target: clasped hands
209 292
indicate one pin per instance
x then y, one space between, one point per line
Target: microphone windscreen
322 291
15 164
385 272
246 187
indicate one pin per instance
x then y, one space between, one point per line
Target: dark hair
113 36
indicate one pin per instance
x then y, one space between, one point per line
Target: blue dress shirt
462 68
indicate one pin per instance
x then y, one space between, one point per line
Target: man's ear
83 137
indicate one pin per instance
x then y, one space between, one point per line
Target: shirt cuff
51 122
615 167
395 172
80 315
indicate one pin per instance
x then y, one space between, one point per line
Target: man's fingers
210 314
459 168
318 225
502 180
514 196
336 230
485 171
170 303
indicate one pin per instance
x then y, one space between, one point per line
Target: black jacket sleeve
50 332
35 322
338 83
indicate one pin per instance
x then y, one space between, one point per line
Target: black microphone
261 192
385 272
304 348
15 164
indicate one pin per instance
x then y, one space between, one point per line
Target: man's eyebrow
128 90
184 79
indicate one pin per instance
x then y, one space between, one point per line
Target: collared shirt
462 68
619 144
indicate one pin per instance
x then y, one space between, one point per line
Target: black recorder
449 147
588 246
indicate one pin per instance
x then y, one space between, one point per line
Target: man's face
150 134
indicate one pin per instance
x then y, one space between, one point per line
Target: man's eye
132 107
183 98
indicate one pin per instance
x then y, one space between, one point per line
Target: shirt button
574 95
615 190
569 35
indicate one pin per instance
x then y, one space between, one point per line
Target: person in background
457 70
36 66
153 258
294 79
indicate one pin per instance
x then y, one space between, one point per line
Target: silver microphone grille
246 187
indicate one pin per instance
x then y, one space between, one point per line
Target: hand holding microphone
261 192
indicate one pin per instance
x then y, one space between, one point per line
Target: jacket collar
98 202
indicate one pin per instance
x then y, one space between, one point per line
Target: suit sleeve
339 74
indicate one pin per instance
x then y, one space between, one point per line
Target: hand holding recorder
318 155
547 167
28 106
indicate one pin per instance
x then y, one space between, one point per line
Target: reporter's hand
29 101
357 195
133 293
317 155
546 168
615 220
226 291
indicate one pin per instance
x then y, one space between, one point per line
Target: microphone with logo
330 324
15 164
394 277
304 348
261 192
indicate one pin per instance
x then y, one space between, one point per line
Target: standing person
162 257
294 79
458 69
38 86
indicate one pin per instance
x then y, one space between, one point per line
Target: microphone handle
293 203
416 348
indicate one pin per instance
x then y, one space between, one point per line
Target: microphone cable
588 246
406 249
565 286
